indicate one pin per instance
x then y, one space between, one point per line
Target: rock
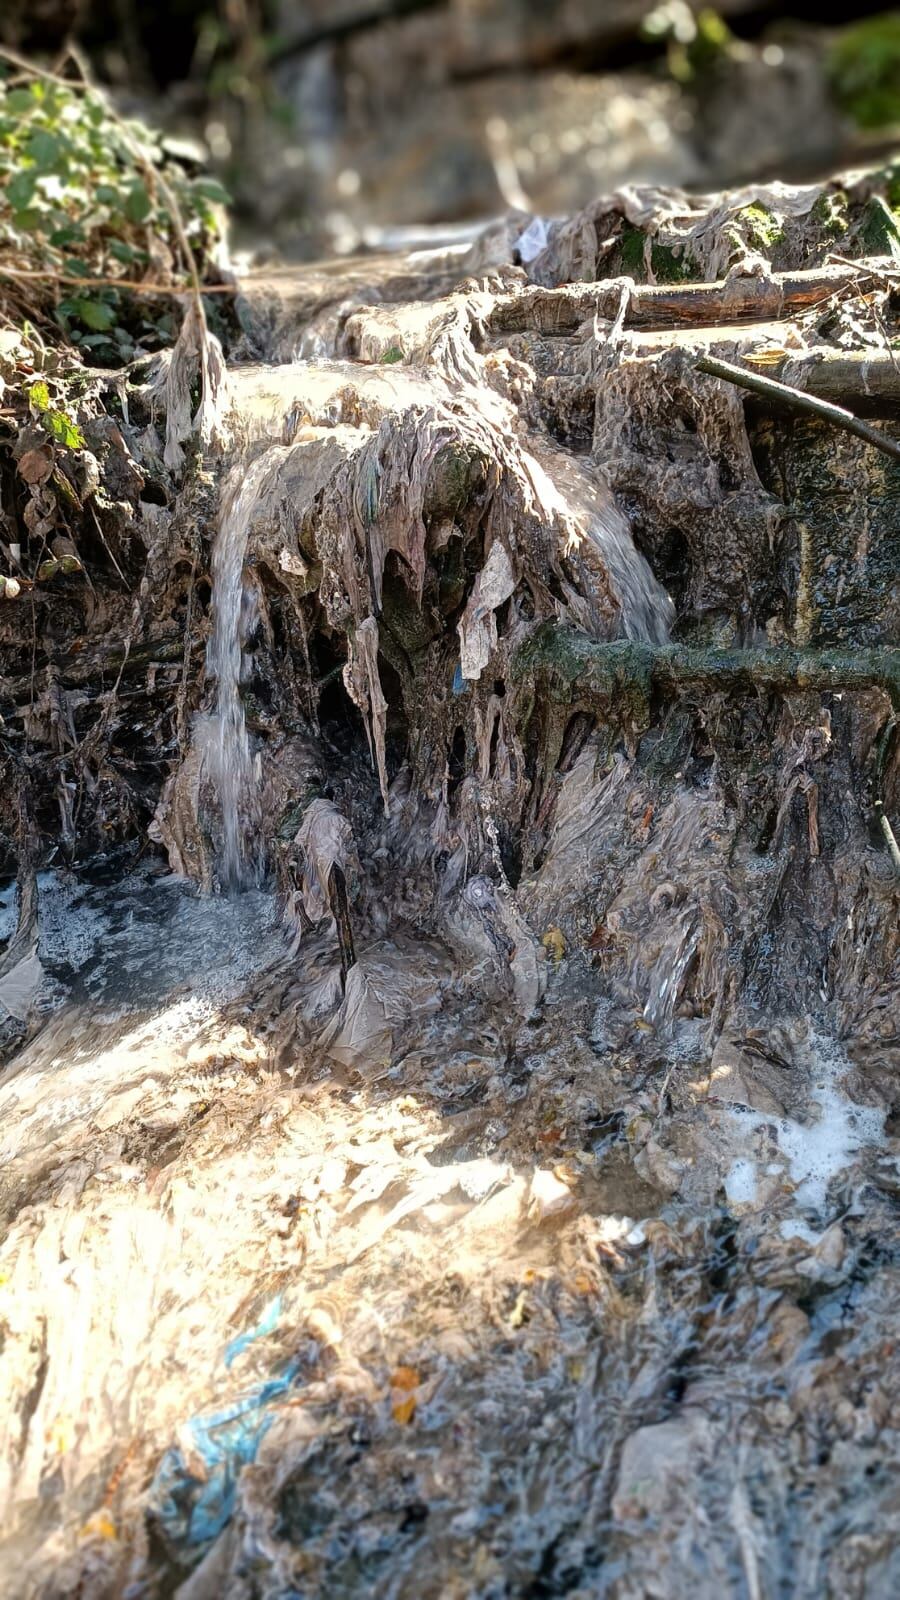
659 1463
742 1074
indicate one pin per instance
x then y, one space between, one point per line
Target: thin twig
771 389
131 284
890 838
41 72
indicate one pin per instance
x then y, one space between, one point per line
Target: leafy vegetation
864 68
87 196
58 424
696 43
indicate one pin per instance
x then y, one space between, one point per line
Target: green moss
830 212
878 229
632 249
760 228
668 264
391 356
864 71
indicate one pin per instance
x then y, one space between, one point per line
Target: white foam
740 1182
815 1151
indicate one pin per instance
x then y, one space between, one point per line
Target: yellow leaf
60 1435
99 1526
517 1315
554 942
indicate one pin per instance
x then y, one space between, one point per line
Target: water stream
226 741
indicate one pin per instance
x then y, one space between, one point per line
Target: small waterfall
583 496
227 758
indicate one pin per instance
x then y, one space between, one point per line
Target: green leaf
19 100
70 234
120 251
20 190
211 189
138 204
39 396
44 149
64 430
28 221
94 313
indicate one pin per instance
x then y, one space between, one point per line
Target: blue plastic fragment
192 1510
459 683
267 1323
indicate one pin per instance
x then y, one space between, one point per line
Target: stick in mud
340 909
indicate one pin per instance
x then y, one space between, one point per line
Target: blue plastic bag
192 1511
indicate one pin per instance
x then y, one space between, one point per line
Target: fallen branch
784 394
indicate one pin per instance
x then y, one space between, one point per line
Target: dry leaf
35 466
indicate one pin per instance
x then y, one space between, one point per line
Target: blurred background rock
338 124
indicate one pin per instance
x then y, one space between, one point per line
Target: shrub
86 195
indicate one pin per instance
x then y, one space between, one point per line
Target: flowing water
226 742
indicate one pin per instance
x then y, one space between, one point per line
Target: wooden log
100 662
734 300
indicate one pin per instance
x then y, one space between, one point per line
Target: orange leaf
404 1386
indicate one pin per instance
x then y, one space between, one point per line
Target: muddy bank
493 1192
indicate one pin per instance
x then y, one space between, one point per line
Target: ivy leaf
211 189
94 314
44 148
138 204
39 396
19 100
64 430
70 234
20 190
121 251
